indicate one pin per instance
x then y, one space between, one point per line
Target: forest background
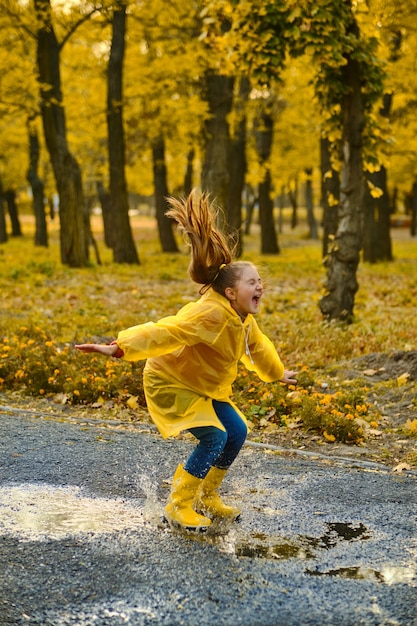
299 119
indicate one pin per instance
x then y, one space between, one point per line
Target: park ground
378 352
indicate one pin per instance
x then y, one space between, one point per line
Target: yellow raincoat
193 358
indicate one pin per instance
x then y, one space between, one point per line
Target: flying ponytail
211 252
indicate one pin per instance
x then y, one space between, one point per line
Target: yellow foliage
402 380
132 402
411 427
47 311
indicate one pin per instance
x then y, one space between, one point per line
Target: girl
192 360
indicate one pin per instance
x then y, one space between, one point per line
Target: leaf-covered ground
357 384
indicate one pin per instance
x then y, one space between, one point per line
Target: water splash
153 510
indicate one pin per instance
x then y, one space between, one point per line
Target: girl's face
246 294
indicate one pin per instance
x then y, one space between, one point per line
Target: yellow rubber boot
208 502
179 509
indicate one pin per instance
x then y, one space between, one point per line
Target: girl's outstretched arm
107 350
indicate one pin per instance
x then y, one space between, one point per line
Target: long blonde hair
212 253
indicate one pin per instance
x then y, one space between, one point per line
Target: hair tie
217 273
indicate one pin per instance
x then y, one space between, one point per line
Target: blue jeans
217 447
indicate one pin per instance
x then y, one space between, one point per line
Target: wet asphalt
81 542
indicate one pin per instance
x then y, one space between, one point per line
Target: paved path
81 542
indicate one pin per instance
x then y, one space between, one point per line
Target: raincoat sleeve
265 359
169 334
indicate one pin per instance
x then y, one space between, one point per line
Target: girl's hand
107 350
288 378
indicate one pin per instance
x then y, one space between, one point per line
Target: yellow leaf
132 402
294 397
411 426
377 192
332 200
328 437
401 380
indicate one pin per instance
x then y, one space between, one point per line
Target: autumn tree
215 176
218 90
164 111
349 83
398 32
263 129
19 111
238 162
226 30
75 232
295 149
124 250
37 184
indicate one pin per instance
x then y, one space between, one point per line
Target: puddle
32 512
261 546
36 512
264 546
389 575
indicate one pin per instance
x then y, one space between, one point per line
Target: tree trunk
312 224
10 196
251 201
264 134
166 234
188 178
292 196
269 240
281 207
72 211
413 228
330 191
342 263
124 250
3 228
376 230
106 213
237 167
215 175
37 186
377 210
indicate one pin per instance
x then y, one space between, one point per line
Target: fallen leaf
132 402
328 437
375 432
61 398
401 467
294 398
98 403
370 372
401 380
271 428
